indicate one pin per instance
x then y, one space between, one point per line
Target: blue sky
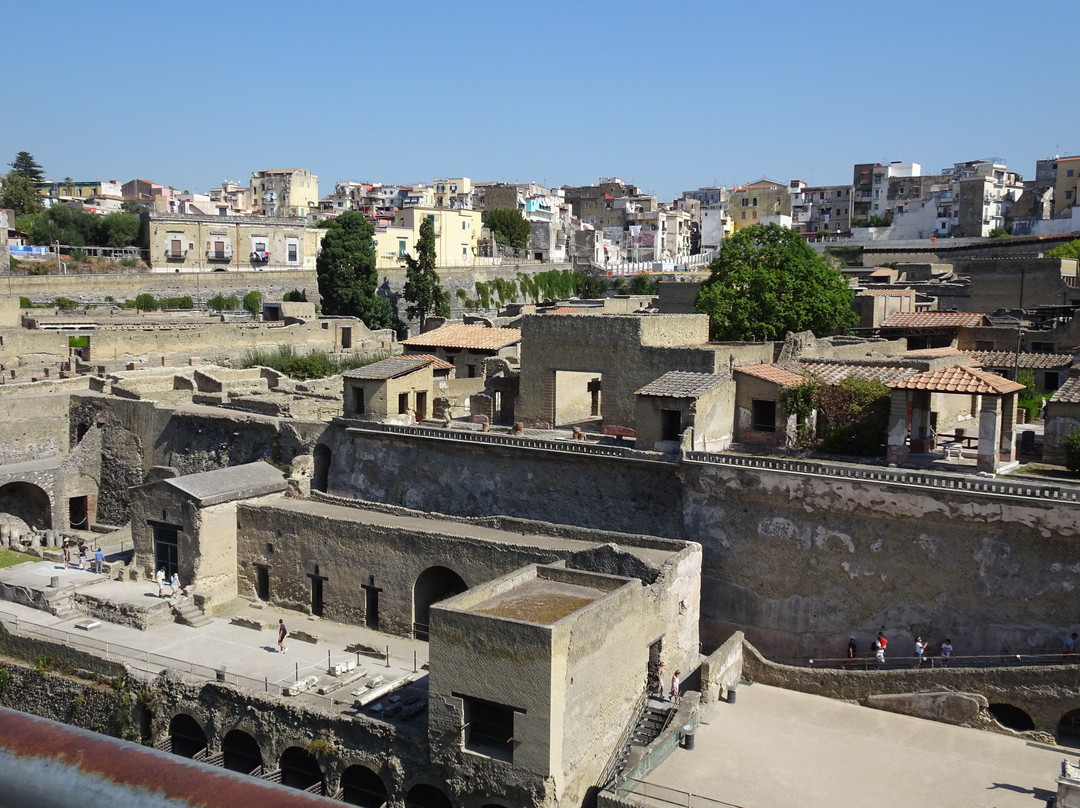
670 96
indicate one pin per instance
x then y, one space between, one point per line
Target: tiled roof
835 372
1034 361
391 367
881 272
931 353
681 384
958 379
436 363
1068 393
771 373
934 319
459 335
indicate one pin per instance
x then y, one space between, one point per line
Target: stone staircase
652 720
61 602
188 613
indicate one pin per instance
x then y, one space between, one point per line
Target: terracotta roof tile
459 335
832 373
886 293
771 373
436 363
391 367
935 319
931 353
1034 361
1068 393
681 384
958 379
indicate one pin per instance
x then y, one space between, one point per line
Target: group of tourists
81 554
174 583
881 642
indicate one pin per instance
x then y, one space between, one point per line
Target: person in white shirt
946 652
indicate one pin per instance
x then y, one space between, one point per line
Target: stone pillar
921 439
1007 447
989 433
897 451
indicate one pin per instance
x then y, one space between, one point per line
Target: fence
1007 487
151 664
682 263
663 795
1004 659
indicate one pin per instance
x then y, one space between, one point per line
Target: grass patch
285 359
9 558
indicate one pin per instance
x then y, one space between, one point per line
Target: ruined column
1007 447
989 433
897 451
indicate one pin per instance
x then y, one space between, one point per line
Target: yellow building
233 243
453 192
284 192
749 204
1067 183
456 235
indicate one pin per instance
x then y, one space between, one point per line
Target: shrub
13 263
184 302
253 303
129 262
25 302
146 302
222 303
1072 450
65 304
284 359
999 232
79 342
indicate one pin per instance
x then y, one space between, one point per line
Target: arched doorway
321 475
241 752
1011 717
425 796
1068 729
432 585
299 768
27 502
361 786
187 736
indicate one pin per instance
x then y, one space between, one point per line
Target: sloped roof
932 353
681 384
459 335
831 373
935 319
1068 393
885 293
1034 361
958 379
771 373
228 484
395 366
881 272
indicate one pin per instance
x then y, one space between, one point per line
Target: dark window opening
165 549
764 416
78 513
670 424
187 736
402 403
489 728
1012 717
262 583
317 595
371 603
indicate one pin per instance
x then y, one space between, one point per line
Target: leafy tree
1070 249
1072 450
347 276
422 289
146 302
115 230
643 284
999 232
220 303
19 194
65 304
508 227
767 281
69 185
26 166
253 303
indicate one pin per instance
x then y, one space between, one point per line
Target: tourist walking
1069 649
99 561
946 652
174 584
879 649
920 649
82 555
675 687
67 554
160 578
282 633
660 681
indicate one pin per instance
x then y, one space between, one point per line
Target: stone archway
1068 729
187 736
241 752
361 786
432 585
26 502
299 768
425 796
1011 717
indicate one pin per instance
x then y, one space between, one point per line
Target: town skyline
666 102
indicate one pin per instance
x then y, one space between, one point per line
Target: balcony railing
219 255
175 255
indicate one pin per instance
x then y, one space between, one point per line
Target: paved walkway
776 747
243 651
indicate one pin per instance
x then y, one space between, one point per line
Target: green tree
1070 249
508 227
26 166
347 276
115 230
146 302
766 282
422 289
19 194
253 303
1072 450
70 226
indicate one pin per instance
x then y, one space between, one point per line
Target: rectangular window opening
489 728
764 416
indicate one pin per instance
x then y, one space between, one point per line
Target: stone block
947 707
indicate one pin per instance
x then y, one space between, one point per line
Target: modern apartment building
284 192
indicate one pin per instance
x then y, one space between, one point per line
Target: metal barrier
1006 487
663 795
1005 659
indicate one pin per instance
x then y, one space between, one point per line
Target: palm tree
69 183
